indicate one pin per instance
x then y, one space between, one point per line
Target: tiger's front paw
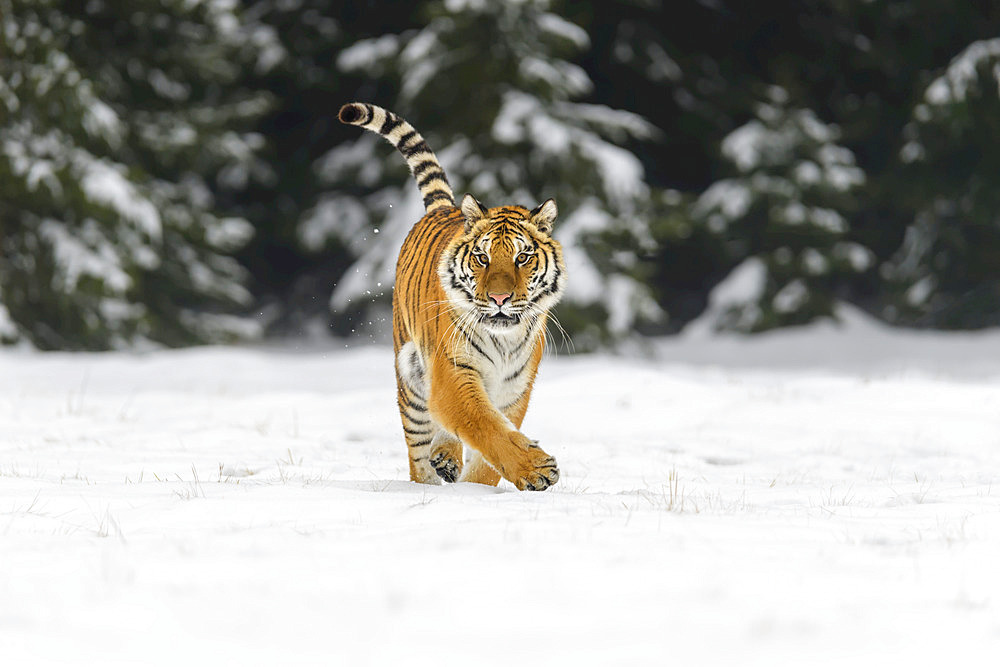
540 478
536 470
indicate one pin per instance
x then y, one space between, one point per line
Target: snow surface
819 496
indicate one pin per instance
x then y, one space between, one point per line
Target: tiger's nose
501 299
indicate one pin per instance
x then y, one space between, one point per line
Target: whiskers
469 318
450 308
535 312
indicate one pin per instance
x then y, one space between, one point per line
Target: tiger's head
505 269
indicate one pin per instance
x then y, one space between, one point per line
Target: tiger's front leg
476 468
458 402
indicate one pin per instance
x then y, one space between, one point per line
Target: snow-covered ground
822 496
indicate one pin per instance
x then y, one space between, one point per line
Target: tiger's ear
543 216
472 210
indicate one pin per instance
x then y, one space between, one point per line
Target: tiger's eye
481 258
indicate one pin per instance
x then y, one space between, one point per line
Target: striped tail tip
354 113
422 162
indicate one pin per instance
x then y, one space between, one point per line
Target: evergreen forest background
172 171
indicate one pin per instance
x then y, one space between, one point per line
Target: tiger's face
506 269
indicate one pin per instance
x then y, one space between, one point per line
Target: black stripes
403 400
437 195
414 420
468 337
418 147
458 364
524 341
391 122
517 373
401 144
431 174
424 166
554 284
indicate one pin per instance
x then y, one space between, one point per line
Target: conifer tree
118 123
786 210
945 273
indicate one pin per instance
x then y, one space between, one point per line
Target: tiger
473 293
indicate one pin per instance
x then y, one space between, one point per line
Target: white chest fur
501 361
506 378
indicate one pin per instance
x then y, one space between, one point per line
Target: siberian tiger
474 286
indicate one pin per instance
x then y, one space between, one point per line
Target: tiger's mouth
502 321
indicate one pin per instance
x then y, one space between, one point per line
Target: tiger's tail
423 164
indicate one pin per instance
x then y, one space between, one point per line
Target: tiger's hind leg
419 430
478 471
420 468
446 456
